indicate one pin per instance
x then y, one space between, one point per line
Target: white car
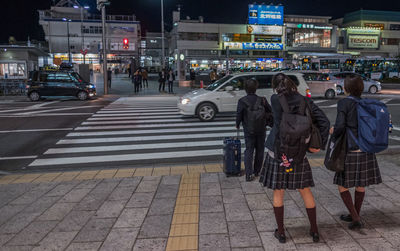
370 85
224 94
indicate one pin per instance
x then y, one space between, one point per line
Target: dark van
59 83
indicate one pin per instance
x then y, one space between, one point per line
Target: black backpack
294 132
256 117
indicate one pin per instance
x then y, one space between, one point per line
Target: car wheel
330 94
373 89
82 95
206 112
339 89
34 96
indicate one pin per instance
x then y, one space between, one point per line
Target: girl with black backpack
360 168
286 165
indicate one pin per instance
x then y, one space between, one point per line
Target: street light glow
76 7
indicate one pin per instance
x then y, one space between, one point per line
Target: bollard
201 84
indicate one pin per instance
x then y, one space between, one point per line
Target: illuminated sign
313 26
254 46
265 29
363 41
363 30
265 14
375 25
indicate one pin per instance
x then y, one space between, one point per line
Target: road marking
319 101
19 157
129 117
394 138
60 109
386 100
145 138
82 128
135 114
154 131
45 115
132 147
396 128
125 157
39 130
138 121
125 110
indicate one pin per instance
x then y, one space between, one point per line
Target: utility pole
101 5
227 60
162 36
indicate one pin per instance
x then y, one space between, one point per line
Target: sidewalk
184 208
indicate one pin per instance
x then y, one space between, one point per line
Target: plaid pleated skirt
360 170
274 176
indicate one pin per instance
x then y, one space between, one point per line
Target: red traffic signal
125 43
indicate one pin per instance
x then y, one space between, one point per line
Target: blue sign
263 46
265 14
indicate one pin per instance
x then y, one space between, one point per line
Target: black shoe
257 175
315 236
249 178
280 237
355 225
346 218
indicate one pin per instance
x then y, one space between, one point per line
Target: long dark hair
283 84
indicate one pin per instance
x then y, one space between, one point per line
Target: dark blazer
347 119
320 118
241 109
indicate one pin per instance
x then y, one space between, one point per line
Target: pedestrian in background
192 78
145 76
162 77
281 172
129 71
360 168
109 75
255 114
137 78
213 75
171 79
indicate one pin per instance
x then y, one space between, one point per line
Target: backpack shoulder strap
284 103
303 104
246 102
258 102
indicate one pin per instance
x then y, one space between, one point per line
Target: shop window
393 41
394 27
12 70
236 37
196 36
310 38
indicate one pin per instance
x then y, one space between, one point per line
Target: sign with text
265 29
265 14
254 46
363 42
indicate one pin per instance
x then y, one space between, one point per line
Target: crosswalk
135 131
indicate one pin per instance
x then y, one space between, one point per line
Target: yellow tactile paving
188 193
185 218
186 209
184 230
124 173
86 175
9 178
190 181
177 170
143 172
47 177
182 243
161 171
67 176
187 201
27 178
106 174
213 168
196 169
189 186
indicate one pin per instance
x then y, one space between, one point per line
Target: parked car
224 94
58 83
320 85
370 85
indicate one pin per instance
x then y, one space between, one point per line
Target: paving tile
188 193
124 173
91 202
243 234
95 230
130 182
213 223
34 233
271 243
376 244
301 235
213 168
84 246
147 186
209 178
140 200
75 195
188 201
74 221
57 212
17 248
161 171
155 226
9 178
162 206
167 191
47 177
258 201
9 211
143 172
184 230
338 239
210 204
190 181
26 178
41 205
121 193
182 243
106 174
383 204
248 249
237 212
229 183
88 184
110 209
252 187
5 237
18 223
177 170
62 189
55 241
185 218
29 197
292 210
86 175
391 234
152 178
212 242
131 217
233 195
184 209
171 180
189 186
196 168
120 239
313 247
210 189
158 244
264 219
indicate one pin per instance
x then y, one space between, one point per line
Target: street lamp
82 33
69 47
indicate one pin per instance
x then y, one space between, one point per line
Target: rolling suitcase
232 156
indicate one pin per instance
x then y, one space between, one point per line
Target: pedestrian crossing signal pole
101 5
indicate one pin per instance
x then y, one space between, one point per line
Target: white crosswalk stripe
134 131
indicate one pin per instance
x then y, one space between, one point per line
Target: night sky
19 18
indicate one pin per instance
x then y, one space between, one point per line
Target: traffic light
125 43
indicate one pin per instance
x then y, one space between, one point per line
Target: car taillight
308 93
27 86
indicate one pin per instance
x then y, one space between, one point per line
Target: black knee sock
358 200
279 213
312 217
348 202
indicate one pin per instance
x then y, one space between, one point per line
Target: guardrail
12 88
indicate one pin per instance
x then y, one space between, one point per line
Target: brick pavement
184 208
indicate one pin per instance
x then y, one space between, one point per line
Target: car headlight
90 86
185 101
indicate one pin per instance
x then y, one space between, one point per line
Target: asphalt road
47 135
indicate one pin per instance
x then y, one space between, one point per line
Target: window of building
393 41
12 70
309 38
92 29
196 36
394 27
236 37
268 39
236 52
